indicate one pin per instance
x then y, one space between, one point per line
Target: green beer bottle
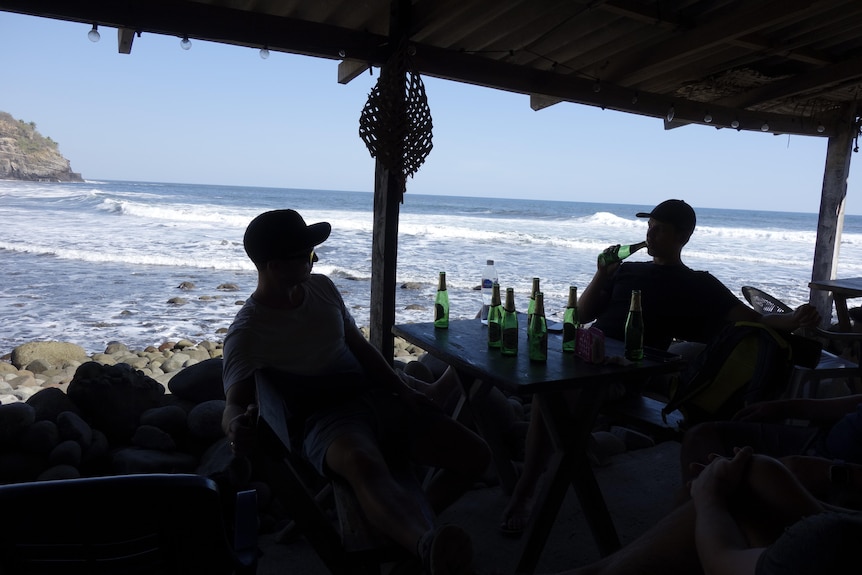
510 325
441 304
612 256
531 306
571 321
538 331
495 318
635 329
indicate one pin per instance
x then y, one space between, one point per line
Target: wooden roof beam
125 37
813 81
667 55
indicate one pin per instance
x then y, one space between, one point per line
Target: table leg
843 314
475 391
569 425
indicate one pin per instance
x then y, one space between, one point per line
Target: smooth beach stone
59 472
175 362
66 453
15 418
169 418
54 352
6 398
72 426
205 419
7 368
151 437
97 449
115 347
200 382
178 301
112 398
39 365
186 285
41 437
136 460
227 287
25 379
183 343
51 402
104 358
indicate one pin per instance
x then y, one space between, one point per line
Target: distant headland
25 154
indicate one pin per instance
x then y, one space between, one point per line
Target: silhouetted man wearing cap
678 303
355 408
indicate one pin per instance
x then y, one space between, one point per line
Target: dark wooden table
842 290
569 392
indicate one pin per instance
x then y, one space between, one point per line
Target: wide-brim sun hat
675 212
282 234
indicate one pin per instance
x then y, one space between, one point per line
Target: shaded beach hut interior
773 66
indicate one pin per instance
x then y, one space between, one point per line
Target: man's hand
608 251
241 433
806 315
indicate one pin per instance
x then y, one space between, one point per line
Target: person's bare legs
461 456
394 510
667 548
772 500
444 391
537 453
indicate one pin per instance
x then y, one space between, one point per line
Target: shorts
822 543
379 414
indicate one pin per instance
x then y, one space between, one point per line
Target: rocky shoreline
67 414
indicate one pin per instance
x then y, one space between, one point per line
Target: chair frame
347 546
122 524
805 382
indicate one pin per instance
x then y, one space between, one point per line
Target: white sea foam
99 261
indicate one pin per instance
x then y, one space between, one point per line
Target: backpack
746 362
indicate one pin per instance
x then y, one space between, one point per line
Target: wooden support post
384 250
387 196
831 218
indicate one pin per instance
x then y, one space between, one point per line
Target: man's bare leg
537 452
394 510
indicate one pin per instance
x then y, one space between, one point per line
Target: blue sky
220 114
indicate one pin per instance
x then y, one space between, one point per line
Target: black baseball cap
675 212
282 234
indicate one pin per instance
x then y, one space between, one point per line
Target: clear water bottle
489 278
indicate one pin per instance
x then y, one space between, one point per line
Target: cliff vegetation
25 154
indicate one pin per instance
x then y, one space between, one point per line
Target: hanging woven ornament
395 123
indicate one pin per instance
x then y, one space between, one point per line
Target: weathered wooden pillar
387 197
831 219
384 250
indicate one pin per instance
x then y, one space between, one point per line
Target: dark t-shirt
677 302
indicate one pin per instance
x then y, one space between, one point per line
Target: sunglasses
312 257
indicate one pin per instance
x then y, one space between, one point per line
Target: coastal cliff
25 154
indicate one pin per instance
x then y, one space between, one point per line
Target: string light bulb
342 54
185 43
264 53
93 34
764 127
671 112
735 124
597 87
635 98
821 128
707 118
